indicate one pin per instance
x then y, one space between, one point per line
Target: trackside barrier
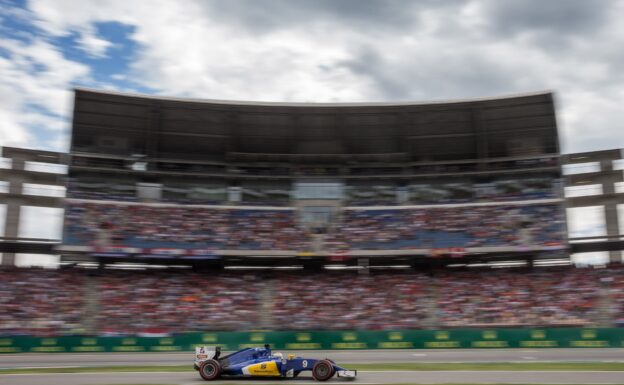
310 340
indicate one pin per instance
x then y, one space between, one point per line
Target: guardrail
315 340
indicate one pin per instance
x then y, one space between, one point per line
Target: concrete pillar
12 220
11 228
611 213
613 229
18 163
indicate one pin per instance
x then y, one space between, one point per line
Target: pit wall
313 340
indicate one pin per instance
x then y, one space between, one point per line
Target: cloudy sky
319 51
312 51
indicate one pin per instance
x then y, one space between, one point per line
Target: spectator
460 226
154 226
54 302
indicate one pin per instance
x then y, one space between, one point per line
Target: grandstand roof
174 128
312 104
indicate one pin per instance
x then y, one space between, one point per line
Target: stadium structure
372 217
221 182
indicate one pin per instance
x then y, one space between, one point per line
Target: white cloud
35 93
586 221
93 45
330 51
324 52
12 132
40 222
62 18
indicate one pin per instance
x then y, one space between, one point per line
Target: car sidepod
270 368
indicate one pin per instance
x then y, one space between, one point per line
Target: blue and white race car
262 362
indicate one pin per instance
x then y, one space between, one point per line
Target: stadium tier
113 302
444 227
104 224
192 178
181 227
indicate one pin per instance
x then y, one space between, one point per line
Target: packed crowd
41 302
149 226
616 284
551 298
340 301
47 302
469 226
161 226
163 302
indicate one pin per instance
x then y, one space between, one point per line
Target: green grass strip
510 366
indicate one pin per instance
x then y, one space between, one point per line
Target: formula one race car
261 362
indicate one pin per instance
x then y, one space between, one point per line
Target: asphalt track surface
342 357
29 360
364 378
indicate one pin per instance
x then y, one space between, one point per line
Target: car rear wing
204 353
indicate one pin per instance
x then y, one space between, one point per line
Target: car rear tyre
323 370
210 370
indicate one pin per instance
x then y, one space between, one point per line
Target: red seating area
166 302
41 302
351 301
556 298
53 302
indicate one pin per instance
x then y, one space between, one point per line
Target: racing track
343 357
364 378
340 356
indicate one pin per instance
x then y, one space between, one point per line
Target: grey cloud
423 76
370 64
561 17
399 50
269 15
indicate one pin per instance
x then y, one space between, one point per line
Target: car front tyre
323 370
210 370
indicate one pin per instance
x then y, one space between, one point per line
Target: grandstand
122 302
293 210
158 177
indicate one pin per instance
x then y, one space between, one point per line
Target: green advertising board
316 340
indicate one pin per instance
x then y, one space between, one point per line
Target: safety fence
312 340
